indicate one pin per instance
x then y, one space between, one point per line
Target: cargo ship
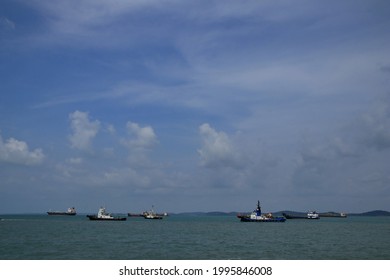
70 212
311 215
333 215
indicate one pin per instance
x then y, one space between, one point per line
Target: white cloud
94 23
89 14
75 161
141 137
216 150
84 130
111 129
6 24
16 151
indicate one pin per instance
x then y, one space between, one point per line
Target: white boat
313 215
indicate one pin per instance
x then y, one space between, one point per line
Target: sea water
177 237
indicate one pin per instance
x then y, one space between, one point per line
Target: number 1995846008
237 270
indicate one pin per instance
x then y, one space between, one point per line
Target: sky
194 105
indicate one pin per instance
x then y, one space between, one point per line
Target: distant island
375 213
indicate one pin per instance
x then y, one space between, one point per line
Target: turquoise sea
43 237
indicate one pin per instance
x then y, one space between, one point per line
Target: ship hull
135 215
289 217
293 217
153 217
273 220
95 218
333 216
61 214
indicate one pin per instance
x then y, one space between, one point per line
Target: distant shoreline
374 213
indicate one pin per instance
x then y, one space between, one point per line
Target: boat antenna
258 207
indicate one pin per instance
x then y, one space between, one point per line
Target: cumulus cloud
140 137
216 150
84 130
16 151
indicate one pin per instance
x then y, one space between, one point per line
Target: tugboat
70 212
257 216
103 216
151 215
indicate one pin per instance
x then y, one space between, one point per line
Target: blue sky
194 105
